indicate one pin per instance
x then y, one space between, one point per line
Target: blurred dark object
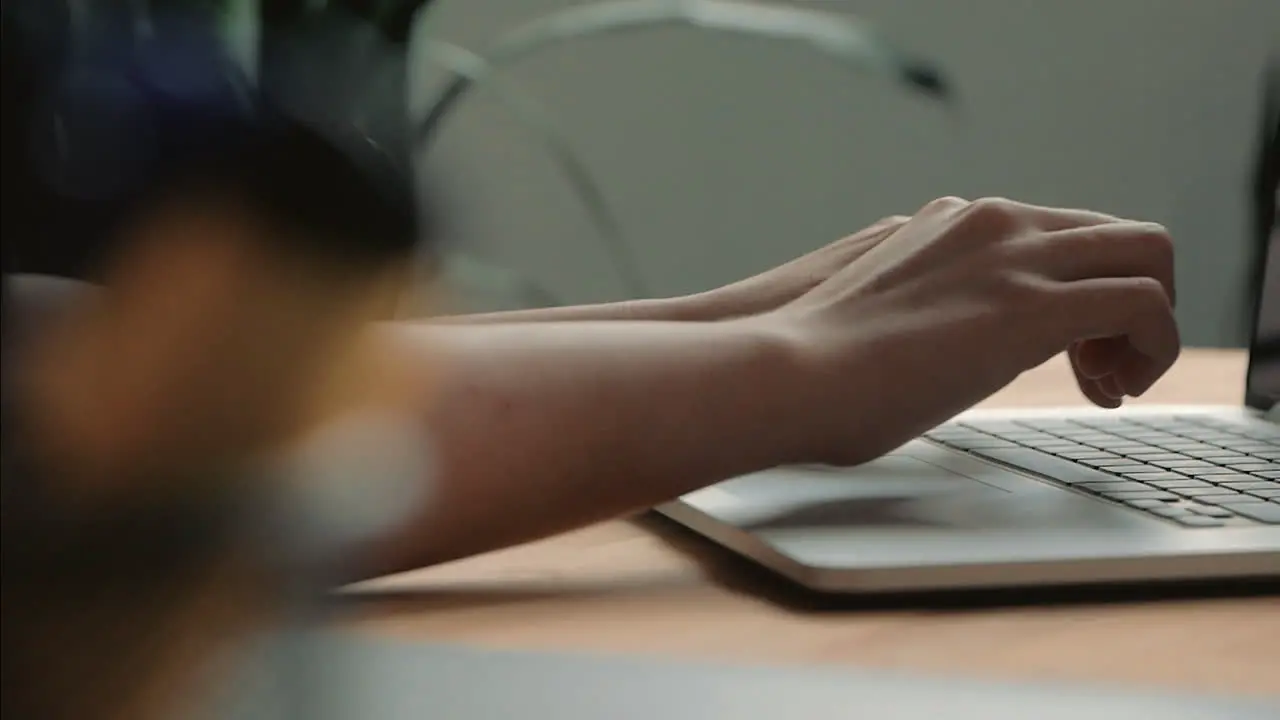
112 602
103 114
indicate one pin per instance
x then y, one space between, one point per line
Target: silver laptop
1026 498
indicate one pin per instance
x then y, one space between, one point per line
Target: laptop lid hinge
1273 415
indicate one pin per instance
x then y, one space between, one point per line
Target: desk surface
637 586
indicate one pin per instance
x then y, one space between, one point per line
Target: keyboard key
1143 504
1187 445
1215 453
1230 477
1212 472
1127 449
1212 511
1060 446
1271 474
1198 491
1144 435
1209 435
1243 485
1113 486
1222 497
1152 477
1119 467
1149 457
1248 447
1252 467
1014 432
980 424
980 443
1093 442
1180 484
1149 494
1181 465
1171 511
1063 471
1085 455
1199 521
1263 512
1269 494
1237 456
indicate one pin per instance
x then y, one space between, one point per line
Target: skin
599 418
541 421
544 421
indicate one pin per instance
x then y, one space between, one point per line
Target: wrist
779 383
830 405
698 307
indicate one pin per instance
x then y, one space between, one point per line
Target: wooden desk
627 587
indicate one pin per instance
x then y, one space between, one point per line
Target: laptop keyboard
1197 472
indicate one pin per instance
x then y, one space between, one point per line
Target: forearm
543 429
677 309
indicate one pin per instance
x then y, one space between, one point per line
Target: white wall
725 156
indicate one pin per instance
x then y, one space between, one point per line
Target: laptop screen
1263 389
1263 386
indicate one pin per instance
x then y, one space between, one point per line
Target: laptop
998 499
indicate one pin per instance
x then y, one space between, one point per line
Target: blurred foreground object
162 498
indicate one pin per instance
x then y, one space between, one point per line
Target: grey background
726 156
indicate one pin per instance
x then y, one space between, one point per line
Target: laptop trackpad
917 487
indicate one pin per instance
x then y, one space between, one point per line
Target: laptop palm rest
920 487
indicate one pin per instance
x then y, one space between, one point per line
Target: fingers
1095 358
1092 387
1002 213
879 230
850 248
887 223
1135 308
1098 360
1116 249
1123 274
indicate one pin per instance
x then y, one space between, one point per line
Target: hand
958 301
778 286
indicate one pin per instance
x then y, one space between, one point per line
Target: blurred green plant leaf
849 41
466 64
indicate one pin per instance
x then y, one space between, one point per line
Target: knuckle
992 206
888 221
944 204
994 215
1157 241
1149 295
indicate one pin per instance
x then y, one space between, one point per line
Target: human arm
542 428
698 307
547 428
759 293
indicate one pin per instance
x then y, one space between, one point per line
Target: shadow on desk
742 576
560 592
567 589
